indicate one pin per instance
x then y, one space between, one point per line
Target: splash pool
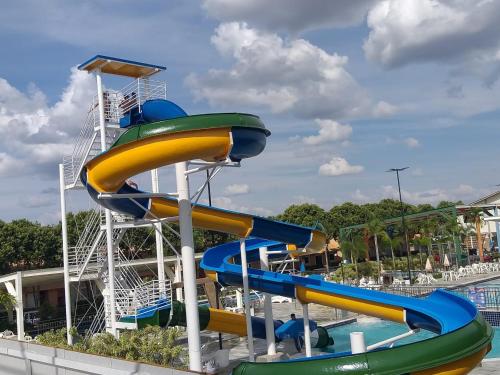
376 330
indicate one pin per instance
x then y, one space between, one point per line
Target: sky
348 89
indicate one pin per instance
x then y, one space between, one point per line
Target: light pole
397 170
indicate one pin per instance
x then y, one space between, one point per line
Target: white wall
22 358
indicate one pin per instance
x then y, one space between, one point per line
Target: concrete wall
22 358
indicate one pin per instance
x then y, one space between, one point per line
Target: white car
281 299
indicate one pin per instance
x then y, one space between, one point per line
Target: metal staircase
88 255
88 142
88 258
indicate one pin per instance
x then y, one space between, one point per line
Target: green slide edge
195 122
404 359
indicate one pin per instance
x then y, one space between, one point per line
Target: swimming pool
495 283
376 330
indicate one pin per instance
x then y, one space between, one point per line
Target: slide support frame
268 306
246 298
189 267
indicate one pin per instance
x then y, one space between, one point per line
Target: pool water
376 330
495 283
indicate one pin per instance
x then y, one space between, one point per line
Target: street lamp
397 170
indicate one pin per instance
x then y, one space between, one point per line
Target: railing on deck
140 90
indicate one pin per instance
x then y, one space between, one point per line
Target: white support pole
160 258
189 267
497 229
268 306
109 220
178 279
246 299
19 306
64 226
239 300
358 342
307 330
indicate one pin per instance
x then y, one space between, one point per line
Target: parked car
281 299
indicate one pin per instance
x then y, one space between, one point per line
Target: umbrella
428 265
446 262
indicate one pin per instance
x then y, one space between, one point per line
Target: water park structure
136 130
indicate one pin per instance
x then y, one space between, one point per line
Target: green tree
307 214
376 228
475 216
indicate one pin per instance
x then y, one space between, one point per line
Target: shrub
153 345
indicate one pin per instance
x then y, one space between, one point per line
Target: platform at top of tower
121 67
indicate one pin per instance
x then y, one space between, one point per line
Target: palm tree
464 232
348 250
417 242
395 243
354 248
475 216
376 228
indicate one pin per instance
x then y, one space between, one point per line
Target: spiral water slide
463 337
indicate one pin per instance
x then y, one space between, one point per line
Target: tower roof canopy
120 67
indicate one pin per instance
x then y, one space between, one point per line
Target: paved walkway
488 367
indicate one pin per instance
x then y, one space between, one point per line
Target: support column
239 300
268 306
178 279
160 258
19 306
189 267
64 226
358 342
109 220
497 229
307 330
246 299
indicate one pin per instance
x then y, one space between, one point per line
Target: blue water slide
151 111
440 312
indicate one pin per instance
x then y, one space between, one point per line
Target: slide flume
464 337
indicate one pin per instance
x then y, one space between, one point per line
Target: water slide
463 338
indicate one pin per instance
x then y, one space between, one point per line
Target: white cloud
384 109
329 131
300 199
36 201
359 197
434 195
290 15
411 142
237 189
9 166
417 172
404 32
292 76
228 204
34 135
339 166
464 189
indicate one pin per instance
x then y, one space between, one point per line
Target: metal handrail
139 91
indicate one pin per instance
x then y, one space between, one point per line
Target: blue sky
348 89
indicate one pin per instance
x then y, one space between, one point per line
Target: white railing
144 296
83 143
98 324
86 240
140 90
88 142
